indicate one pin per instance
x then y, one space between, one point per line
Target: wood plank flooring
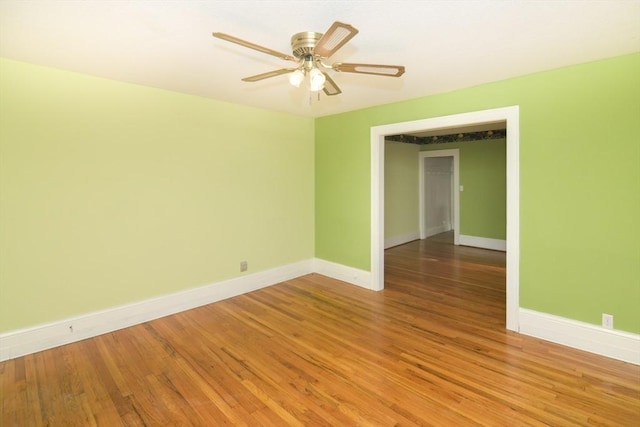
431 349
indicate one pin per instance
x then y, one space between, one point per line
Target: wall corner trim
615 344
390 242
483 242
344 273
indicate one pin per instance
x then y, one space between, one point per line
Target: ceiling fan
309 50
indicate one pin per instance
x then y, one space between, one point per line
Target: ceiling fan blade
266 75
336 36
376 69
254 46
330 87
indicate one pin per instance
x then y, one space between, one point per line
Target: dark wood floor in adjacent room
431 349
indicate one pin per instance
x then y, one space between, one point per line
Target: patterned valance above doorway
444 139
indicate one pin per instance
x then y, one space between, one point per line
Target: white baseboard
342 272
390 242
432 231
41 337
611 343
483 242
619 345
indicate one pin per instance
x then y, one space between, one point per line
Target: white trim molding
341 272
583 336
390 242
432 231
49 335
42 337
615 344
483 242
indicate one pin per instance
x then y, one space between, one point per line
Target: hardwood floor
431 349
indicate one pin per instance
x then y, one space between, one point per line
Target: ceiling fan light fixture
310 49
296 78
316 80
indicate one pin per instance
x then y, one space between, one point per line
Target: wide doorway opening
508 115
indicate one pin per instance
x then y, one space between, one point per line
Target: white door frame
510 115
455 191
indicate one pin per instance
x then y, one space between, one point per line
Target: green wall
483 173
483 203
112 193
579 184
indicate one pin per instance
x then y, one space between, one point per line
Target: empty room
319 213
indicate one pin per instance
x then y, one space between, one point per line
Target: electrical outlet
607 320
243 266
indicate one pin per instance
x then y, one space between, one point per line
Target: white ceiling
445 45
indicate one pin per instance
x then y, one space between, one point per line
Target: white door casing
510 115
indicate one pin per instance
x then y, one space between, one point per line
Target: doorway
439 199
510 115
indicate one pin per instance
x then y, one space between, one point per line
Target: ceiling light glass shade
316 80
296 78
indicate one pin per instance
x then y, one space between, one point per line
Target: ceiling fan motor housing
302 44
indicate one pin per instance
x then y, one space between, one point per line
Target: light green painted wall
482 203
483 173
579 184
401 209
112 193
342 231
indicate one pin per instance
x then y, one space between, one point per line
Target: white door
438 184
439 196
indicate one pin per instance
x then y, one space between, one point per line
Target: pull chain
311 98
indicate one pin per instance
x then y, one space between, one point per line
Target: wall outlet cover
607 320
